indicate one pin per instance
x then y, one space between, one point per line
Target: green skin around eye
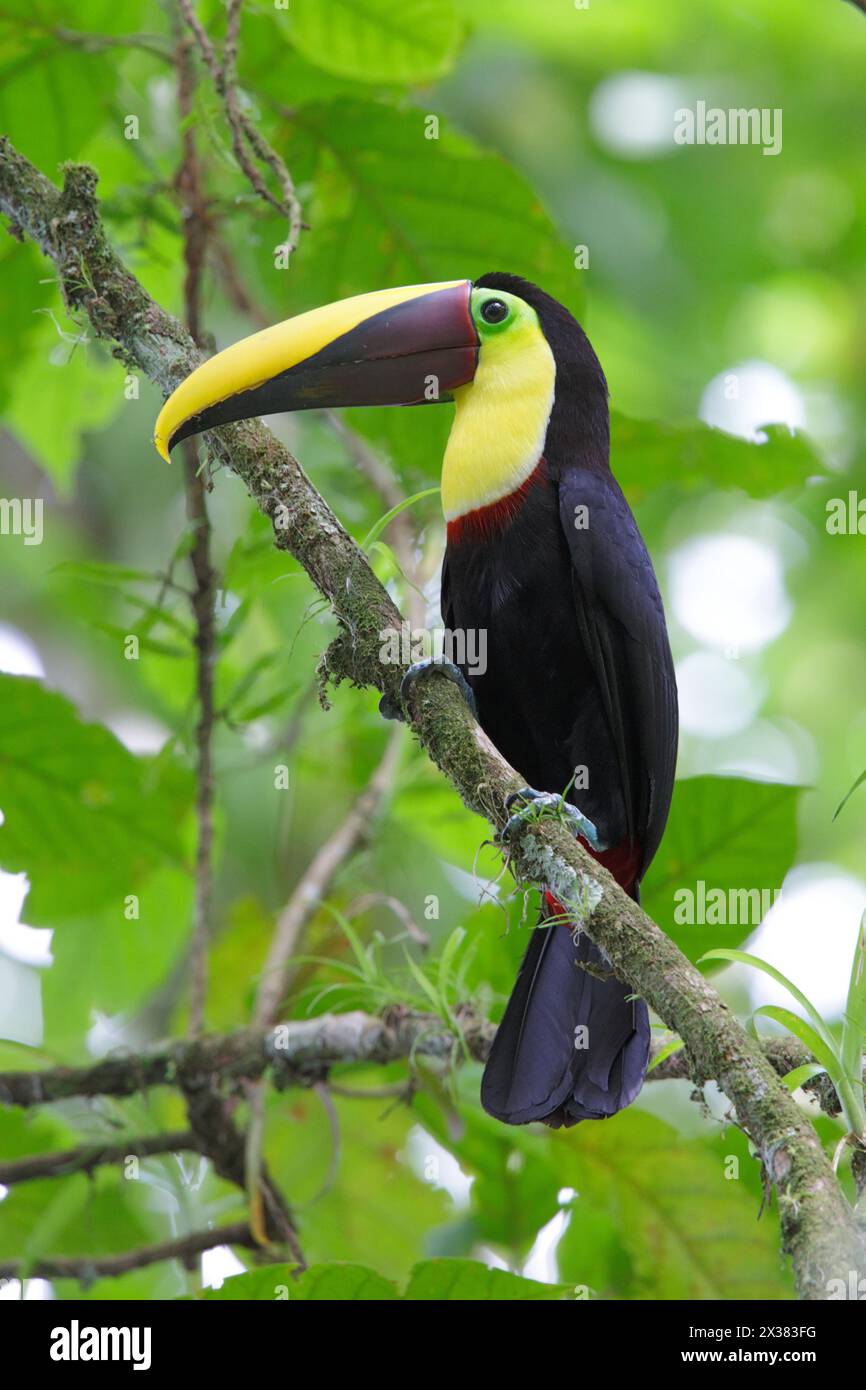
519 312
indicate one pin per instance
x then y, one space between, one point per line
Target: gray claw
389 709
423 669
537 804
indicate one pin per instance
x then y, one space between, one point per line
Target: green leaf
364 1200
736 837
377 40
146 643
75 1215
650 454
67 88
465 1281
798 1076
63 393
825 1055
329 1283
854 1022
427 988
744 958
858 782
21 296
104 573
376 530
434 1281
105 964
689 1229
667 1050
25 1132
516 1184
85 819
392 207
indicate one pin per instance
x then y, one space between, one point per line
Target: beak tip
162 448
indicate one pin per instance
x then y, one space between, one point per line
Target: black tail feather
572 1044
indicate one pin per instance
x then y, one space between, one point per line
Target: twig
154 44
314 885
253 1165
362 904
89 1156
90 1267
211 1121
244 133
400 1090
819 1228
195 237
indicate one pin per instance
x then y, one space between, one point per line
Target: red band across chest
486 522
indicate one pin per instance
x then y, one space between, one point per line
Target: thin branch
245 135
299 1052
60 1163
784 1054
210 1113
362 904
90 1267
819 1229
155 44
210 1116
195 225
315 883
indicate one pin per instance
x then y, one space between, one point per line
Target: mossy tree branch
819 1229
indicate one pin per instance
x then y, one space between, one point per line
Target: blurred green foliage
699 260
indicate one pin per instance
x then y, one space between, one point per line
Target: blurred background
724 290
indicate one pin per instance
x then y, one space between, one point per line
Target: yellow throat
501 418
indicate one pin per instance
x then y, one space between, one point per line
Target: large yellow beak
392 347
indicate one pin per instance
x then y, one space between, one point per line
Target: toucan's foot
538 804
421 671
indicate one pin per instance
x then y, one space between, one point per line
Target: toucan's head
493 346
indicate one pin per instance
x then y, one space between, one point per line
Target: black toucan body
545 559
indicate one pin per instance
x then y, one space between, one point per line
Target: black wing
446 605
622 625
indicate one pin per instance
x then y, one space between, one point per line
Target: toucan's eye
494 310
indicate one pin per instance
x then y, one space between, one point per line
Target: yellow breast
500 422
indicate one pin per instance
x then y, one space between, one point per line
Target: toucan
543 557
